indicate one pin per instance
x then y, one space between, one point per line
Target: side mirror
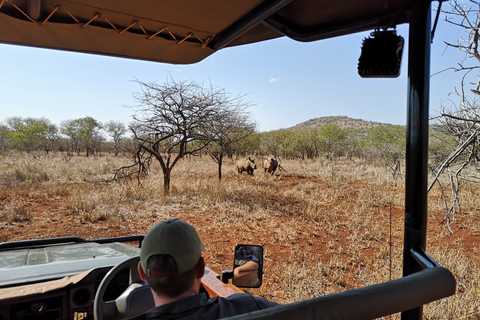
248 266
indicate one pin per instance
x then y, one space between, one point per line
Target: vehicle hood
31 265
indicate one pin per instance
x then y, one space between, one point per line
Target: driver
171 263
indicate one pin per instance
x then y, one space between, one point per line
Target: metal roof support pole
247 22
417 140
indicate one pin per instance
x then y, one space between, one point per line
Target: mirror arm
227 275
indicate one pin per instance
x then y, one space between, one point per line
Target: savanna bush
14 211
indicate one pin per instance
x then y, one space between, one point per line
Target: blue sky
287 82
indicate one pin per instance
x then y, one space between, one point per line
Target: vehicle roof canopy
185 31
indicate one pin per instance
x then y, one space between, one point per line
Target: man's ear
140 272
200 267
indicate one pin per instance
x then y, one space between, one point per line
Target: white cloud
274 79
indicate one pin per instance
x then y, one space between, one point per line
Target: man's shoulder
199 307
240 298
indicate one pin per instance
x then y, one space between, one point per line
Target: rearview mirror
248 266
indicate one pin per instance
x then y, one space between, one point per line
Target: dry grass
14 211
327 226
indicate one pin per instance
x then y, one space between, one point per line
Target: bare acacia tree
116 130
462 121
178 118
139 168
461 124
465 16
233 126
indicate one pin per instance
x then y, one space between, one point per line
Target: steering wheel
135 300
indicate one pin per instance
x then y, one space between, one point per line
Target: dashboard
73 302
57 278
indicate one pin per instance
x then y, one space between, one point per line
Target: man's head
170 256
175 238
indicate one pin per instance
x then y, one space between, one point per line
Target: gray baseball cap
176 238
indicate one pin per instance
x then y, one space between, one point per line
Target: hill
342 121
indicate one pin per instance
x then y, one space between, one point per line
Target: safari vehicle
183 32
73 278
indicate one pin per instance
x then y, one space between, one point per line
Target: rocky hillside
342 121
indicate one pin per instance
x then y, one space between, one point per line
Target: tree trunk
166 182
220 160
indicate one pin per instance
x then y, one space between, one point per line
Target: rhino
270 164
246 164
